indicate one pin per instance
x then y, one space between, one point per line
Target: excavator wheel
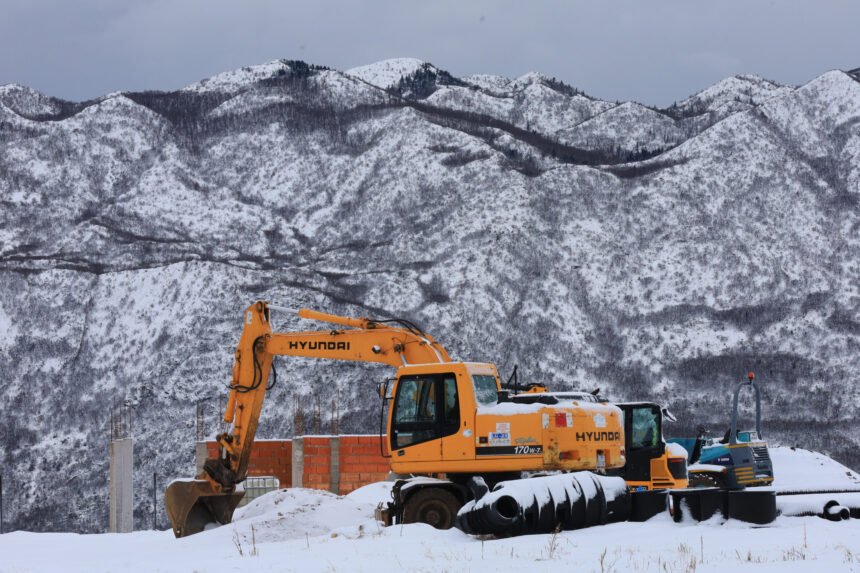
432 505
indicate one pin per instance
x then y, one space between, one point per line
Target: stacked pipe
835 508
835 512
544 504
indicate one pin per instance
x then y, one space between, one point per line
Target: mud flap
193 504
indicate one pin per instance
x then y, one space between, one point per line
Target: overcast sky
652 51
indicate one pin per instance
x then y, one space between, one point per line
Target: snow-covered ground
309 530
798 469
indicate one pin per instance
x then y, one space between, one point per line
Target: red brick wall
268 458
273 458
360 461
317 466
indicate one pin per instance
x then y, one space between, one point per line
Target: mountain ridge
660 255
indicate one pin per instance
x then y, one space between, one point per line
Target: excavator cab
426 407
651 462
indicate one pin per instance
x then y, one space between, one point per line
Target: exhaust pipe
192 505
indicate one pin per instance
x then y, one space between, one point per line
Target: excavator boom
212 496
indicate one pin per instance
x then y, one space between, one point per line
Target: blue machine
738 460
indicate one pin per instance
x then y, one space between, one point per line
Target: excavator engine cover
193 504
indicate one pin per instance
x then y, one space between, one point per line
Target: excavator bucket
193 504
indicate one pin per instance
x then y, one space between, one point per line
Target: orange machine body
489 437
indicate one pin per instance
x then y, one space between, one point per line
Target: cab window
486 390
418 403
645 428
425 408
451 406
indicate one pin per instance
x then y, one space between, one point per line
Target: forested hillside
655 253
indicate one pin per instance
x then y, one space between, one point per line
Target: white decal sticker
545 421
500 439
467 433
599 421
250 317
569 420
503 427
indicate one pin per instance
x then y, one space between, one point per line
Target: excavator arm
212 496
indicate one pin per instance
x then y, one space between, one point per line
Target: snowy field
309 530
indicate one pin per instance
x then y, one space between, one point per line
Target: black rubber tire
757 507
679 505
647 504
432 505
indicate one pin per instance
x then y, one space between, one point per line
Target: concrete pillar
200 456
121 485
334 465
298 461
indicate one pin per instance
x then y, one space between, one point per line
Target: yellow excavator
447 419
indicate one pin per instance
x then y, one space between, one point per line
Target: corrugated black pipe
545 504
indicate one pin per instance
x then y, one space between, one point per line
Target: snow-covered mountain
657 253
